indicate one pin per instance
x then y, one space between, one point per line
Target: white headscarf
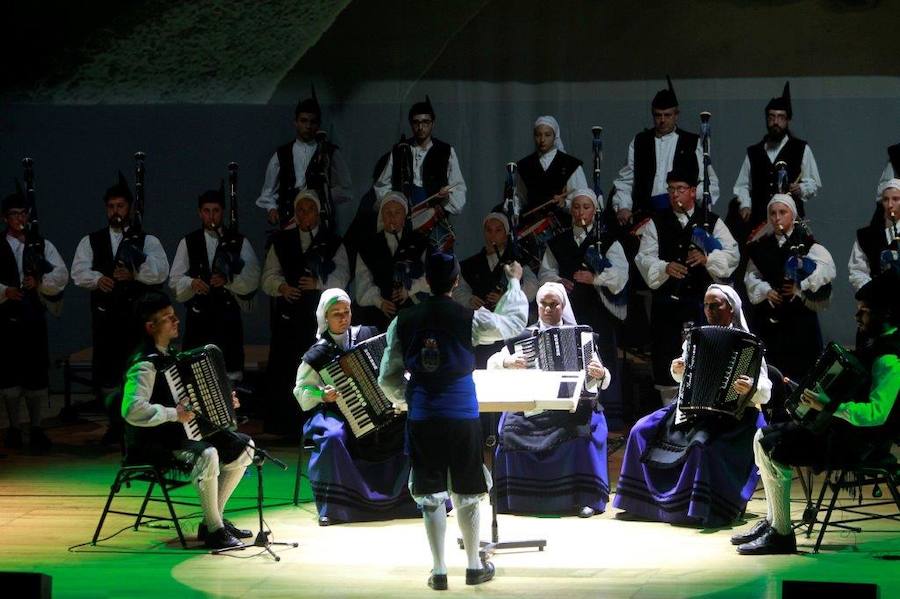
895 183
496 216
783 198
588 193
329 298
551 122
308 194
568 317
734 300
391 196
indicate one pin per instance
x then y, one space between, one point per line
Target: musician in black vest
154 431
389 266
213 301
309 162
352 480
434 342
592 267
868 256
757 180
786 300
861 428
24 297
548 175
103 265
640 188
300 264
698 470
682 251
482 280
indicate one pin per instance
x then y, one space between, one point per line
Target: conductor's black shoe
238 533
586 512
480 575
770 543
754 533
13 438
222 539
38 440
438 582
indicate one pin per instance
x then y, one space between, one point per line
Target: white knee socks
436 528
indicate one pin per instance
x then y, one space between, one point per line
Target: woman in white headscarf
390 264
700 471
300 263
873 240
785 312
548 173
341 469
553 462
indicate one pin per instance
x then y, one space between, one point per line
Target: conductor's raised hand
513 270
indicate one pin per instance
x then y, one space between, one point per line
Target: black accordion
198 380
556 349
716 357
362 402
840 375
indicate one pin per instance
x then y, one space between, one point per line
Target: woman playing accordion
553 462
700 472
352 481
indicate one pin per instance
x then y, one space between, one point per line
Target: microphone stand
260 455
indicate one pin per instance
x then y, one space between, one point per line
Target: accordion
355 375
198 379
840 375
557 349
716 357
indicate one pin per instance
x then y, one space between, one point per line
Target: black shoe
222 539
238 533
38 440
13 439
751 535
770 543
483 574
438 582
586 512
326 521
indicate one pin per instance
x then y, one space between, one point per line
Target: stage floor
51 502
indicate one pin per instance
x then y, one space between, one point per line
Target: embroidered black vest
764 177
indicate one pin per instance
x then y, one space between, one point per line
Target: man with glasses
431 163
25 294
683 250
316 164
758 181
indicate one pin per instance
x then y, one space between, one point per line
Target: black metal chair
167 479
305 447
853 479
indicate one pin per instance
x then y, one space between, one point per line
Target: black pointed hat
310 105
119 190
422 108
213 196
782 103
665 98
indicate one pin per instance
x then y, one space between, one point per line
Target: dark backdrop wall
194 102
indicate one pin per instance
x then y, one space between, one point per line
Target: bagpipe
700 235
513 251
227 260
890 257
130 254
320 173
34 260
594 259
407 262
